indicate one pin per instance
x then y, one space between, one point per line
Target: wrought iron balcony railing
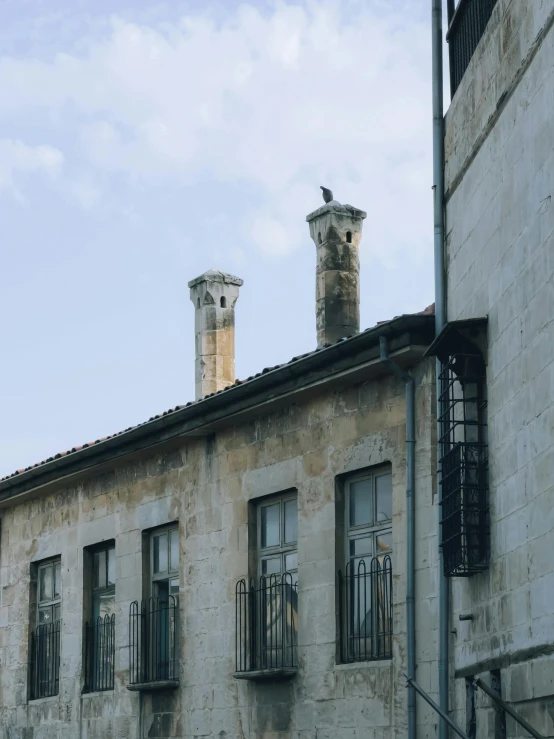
99 654
153 641
266 614
365 610
45 660
467 22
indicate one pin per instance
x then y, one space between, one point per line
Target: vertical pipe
410 528
410 549
440 320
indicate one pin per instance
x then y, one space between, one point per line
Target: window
366 586
463 447
153 623
45 639
100 630
278 537
267 609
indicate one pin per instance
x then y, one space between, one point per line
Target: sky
144 143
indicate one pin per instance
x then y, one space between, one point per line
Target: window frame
109 588
52 562
169 574
366 530
283 548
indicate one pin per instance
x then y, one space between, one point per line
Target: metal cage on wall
365 610
463 449
99 656
45 661
153 641
467 20
266 622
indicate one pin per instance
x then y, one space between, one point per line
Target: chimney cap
333 206
216 275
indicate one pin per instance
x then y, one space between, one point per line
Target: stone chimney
337 231
214 295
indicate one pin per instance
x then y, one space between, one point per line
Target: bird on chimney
327 194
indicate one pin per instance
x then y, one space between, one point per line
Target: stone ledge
154 685
274 673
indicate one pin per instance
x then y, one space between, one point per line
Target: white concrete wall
500 257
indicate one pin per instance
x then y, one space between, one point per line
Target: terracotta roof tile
430 310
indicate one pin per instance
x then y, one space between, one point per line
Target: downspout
440 320
410 526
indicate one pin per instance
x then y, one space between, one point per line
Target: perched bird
327 194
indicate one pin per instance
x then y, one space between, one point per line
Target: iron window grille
467 21
99 654
365 610
464 461
153 645
45 660
266 613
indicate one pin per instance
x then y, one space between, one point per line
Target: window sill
364 664
44 698
155 685
97 692
274 673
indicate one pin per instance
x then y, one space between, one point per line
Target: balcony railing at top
153 641
45 660
365 610
99 654
466 25
266 624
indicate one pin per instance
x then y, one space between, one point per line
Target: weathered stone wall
206 484
500 256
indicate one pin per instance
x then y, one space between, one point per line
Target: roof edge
158 428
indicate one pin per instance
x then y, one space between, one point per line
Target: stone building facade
499 181
299 471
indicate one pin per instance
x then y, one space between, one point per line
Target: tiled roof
430 310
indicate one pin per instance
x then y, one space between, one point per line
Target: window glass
100 569
111 566
291 561
384 542
271 566
361 545
160 553
291 521
174 549
383 489
57 579
270 526
45 583
360 502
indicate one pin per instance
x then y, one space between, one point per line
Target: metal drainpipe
440 320
410 525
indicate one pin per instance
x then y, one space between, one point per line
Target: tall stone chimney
214 295
337 231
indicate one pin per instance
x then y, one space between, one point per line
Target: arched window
349 237
223 301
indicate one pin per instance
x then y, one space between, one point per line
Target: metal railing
365 610
266 615
153 641
45 660
464 464
99 654
467 23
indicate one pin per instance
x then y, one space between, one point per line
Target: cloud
332 93
17 158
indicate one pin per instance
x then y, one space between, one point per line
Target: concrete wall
206 484
500 256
